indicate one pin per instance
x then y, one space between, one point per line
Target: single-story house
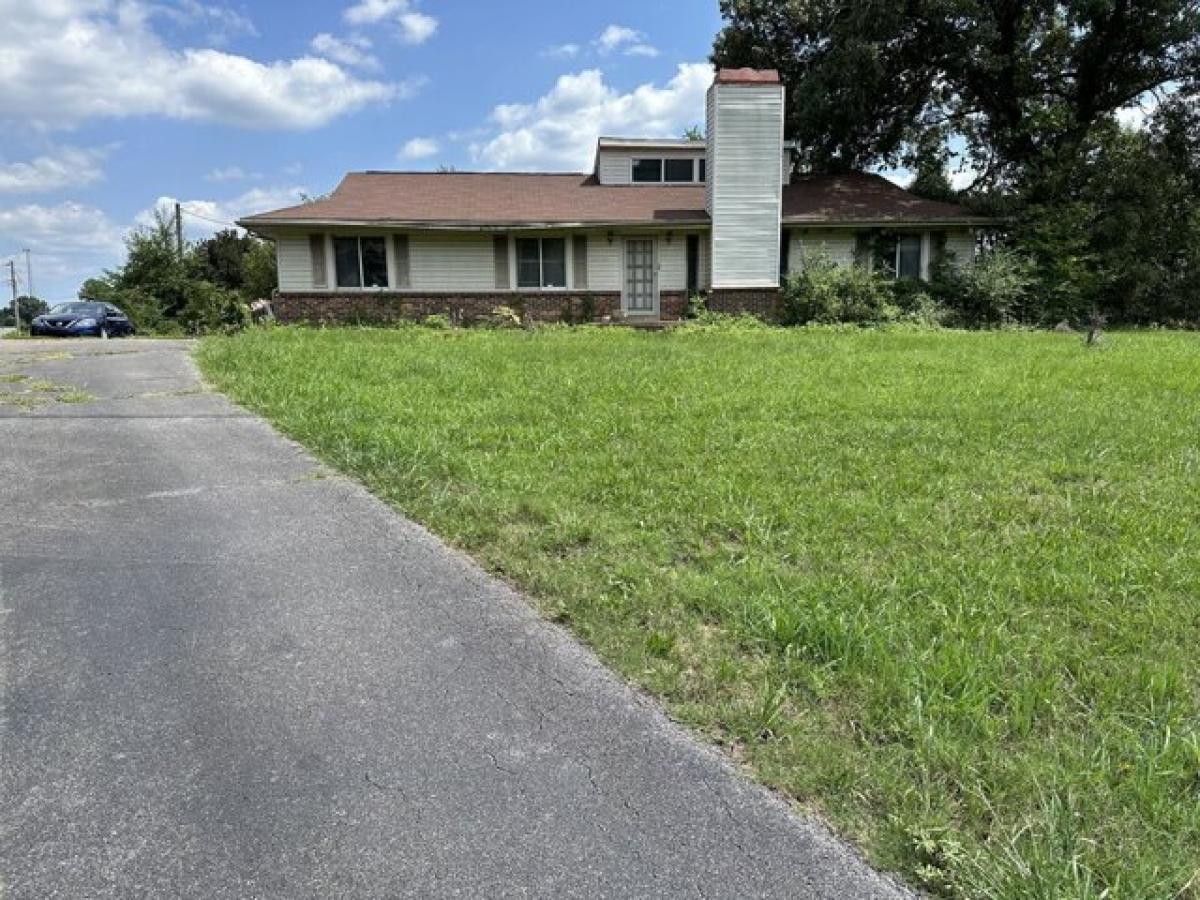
653 223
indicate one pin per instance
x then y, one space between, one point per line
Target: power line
196 215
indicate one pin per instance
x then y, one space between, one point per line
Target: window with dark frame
669 171
908 256
647 171
360 262
679 170
541 262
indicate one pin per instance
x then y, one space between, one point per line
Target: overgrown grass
943 587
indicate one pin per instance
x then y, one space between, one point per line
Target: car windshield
86 309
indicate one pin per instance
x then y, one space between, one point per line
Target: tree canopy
1019 82
1035 102
208 287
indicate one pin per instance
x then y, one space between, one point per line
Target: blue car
84 318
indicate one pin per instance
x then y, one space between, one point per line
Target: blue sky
110 107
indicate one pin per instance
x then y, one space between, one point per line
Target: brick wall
761 302
386 307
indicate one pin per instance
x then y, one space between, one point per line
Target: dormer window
653 170
647 171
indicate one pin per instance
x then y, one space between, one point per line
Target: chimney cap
748 76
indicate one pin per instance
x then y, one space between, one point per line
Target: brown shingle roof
862 197
476 199
465 199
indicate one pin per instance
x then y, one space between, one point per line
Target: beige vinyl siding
961 243
710 148
616 168
837 244
452 262
672 263
579 261
295 263
604 263
746 134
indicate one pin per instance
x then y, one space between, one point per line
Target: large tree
1030 95
1020 84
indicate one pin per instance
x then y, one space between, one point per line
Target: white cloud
414 27
367 12
562 51
419 148
641 50
354 50
223 24
63 167
67 61
558 131
293 169
624 39
69 241
230 173
417 28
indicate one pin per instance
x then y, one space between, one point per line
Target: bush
827 293
209 308
917 304
999 289
437 322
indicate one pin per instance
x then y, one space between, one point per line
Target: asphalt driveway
227 672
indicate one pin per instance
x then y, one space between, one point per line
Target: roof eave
252 224
940 221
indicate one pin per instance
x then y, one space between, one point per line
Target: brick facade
762 302
385 307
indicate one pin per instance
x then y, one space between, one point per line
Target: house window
541 262
679 170
647 170
360 262
672 171
701 164
908 256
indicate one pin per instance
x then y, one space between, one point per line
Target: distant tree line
28 307
1037 102
209 288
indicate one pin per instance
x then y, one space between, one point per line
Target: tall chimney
744 191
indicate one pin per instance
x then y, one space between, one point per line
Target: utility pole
179 230
12 279
28 274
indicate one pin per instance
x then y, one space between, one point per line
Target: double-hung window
360 262
908 256
541 262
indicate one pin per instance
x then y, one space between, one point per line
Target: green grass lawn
942 587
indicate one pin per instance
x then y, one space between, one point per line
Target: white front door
641 279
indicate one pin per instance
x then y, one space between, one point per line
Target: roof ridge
468 172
